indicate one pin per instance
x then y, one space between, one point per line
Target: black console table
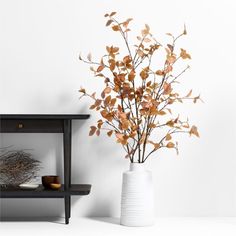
46 124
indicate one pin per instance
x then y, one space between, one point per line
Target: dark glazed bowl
50 179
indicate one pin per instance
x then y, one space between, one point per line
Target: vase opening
137 166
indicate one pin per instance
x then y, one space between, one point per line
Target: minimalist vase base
137 197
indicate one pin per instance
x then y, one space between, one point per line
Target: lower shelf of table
41 192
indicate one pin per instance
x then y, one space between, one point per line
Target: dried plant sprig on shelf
136 100
17 167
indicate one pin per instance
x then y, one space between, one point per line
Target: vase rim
135 166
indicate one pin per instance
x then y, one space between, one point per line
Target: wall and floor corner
40 73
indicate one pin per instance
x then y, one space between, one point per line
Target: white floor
110 226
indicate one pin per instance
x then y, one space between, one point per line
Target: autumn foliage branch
137 99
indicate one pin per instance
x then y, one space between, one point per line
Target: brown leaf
115 49
82 90
122 115
148 83
159 72
196 98
119 135
99 75
170 145
109 133
131 75
133 134
112 63
122 138
109 22
161 113
151 126
168 69
147 27
107 90
98 132
156 145
93 95
194 131
171 101
144 73
168 137
186 125
89 57
100 68
107 100
126 23
140 53
171 59
119 108
92 107
100 123
113 13
180 100
184 54
124 124
167 51
147 40
127 59
103 95
189 94
116 27
108 49
185 31
113 102
169 34
104 113
170 123
92 130
98 102
170 47
92 69
167 88
144 32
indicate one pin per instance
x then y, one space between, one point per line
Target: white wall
39 73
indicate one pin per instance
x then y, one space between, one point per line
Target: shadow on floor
109 220
54 220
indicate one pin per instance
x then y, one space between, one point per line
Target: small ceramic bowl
55 186
50 179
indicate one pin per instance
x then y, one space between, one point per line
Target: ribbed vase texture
137 197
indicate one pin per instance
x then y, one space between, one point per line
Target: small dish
28 186
47 180
55 186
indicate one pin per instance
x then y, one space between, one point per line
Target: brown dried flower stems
135 104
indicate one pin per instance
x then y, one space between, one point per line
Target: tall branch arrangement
135 104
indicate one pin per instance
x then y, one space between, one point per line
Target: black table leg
67 166
69 206
67 209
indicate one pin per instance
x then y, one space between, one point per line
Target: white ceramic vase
137 201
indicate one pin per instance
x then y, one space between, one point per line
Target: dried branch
17 167
137 98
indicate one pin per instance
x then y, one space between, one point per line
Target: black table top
44 116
